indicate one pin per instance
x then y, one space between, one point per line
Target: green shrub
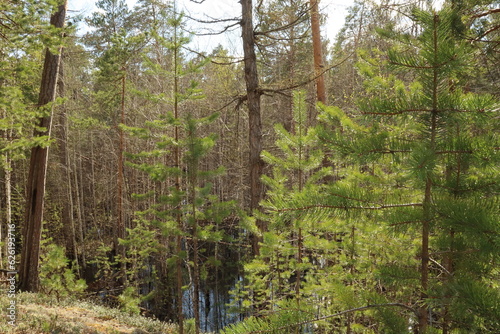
56 277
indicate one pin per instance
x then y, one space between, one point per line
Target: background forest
302 186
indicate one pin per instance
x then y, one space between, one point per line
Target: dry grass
40 314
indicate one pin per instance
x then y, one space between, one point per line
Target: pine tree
199 211
427 143
116 46
24 33
281 277
184 214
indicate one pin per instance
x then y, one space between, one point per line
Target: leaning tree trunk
254 117
32 231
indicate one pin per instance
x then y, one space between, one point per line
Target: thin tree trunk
423 317
66 196
196 269
300 240
289 121
318 53
448 261
78 197
177 153
254 116
8 200
193 167
424 267
7 166
120 233
32 232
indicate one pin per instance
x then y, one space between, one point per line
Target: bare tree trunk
120 233
289 120
196 269
177 157
29 280
318 53
254 117
78 196
7 167
66 195
8 200
423 316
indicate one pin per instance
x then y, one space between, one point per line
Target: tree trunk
318 53
423 317
196 269
120 214
29 280
8 201
65 191
177 157
254 118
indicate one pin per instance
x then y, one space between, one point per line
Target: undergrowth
37 313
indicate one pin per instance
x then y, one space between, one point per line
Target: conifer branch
471 189
440 266
491 11
357 309
402 111
424 67
486 33
309 80
242 98
406 222
200 54
299 18
455 152
346 207
387 151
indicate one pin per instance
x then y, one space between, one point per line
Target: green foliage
433 166
141 243
308 257
129 300
25 33
286 318
56 277
343 230
103 262
477 305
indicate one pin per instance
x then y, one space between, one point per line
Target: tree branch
345 207
491 11
357 309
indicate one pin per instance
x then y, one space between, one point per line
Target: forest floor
36 314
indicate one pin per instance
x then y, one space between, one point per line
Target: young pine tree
430 147
280 278
182 212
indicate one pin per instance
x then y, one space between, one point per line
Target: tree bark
65 190
8 200
423 317
29 280
120 212
318 53
177 157
254 116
